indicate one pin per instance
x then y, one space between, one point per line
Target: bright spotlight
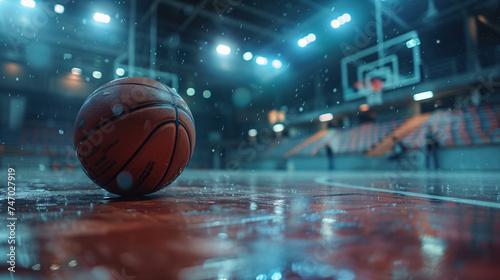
247 56
261 60
28 3
276 64
100 17
278 127
207 94
341 20
326 117
223 49
302 42
58 8
423 95
346 17
252 132
76 71
190 91
97 74
120 71
311 37
335 23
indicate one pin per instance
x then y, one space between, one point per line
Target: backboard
393 64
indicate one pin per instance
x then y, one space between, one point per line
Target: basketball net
372 89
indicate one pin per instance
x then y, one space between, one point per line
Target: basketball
134 136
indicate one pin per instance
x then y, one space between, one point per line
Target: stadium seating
460 127
45 140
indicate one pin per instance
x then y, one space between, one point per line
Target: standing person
431 147
329 155
398 150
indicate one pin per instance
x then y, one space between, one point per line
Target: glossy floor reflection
260 225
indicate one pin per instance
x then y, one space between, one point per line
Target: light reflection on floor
265 225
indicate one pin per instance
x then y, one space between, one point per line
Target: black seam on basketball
131 84
159 185
189 138
140 107
173 151
138 150
150 105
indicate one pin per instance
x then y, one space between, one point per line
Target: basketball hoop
372 89
372 84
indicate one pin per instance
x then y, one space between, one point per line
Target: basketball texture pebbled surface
134 136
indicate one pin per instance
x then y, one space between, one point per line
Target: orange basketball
134 136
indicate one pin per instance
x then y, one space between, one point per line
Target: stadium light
423 95
223 49
261 60
302 42
335 23
120 71
276 64
100 17
311 37
252 132
76 71
346 17
58 8
341 20
307 40
28 3
278 127
97 74
190 91
247 56
326 117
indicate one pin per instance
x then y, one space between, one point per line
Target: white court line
324 181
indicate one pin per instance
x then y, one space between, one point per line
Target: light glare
326 117
412 43
335 23
100 17
223 49
97 74
76 71
311 37
346 17
364 107
207 94
28 3
120 71
423 95
190 91
302 42
261 60
278 127
276 64
252 132
247 56
58 8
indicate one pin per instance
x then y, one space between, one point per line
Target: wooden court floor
257 225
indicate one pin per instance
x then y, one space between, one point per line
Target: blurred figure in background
431 147
329 155
398 151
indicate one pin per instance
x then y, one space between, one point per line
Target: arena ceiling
187 33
